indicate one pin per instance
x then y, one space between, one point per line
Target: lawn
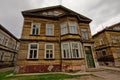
37 77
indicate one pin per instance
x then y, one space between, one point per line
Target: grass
37 77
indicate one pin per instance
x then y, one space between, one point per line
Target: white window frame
1 38
49 49
28 57
79 56
38 26
113 39
47 29
118 52
5 41
69 56
85 35
2 56
56 13
64 26
101 41
75 26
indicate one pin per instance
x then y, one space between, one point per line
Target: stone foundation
38 68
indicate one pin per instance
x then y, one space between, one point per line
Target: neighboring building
9 46
55 39
107 45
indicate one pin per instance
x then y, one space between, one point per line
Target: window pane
35 28
51 55
50 29
35 53
33 46
31 54
47 55
49 46
84 34
72 27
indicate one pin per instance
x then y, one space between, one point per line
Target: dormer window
101 41
50 13
35 29
116 28
44 13
56 13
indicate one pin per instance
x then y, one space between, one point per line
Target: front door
89 57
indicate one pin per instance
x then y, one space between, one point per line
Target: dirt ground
88 78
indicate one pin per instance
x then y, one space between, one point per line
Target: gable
55 11
115 27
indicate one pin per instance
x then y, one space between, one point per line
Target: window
119 38
33 51
50 29
56 13
101 41
44 13
65 51
50 13
35 29
113 39
104 53
64 29
75 50
118 52
97 54
2 56
12 57
5 41
84 34
49 51
72 26
1 38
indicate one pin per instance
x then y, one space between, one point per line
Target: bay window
72 27
50 29
64 29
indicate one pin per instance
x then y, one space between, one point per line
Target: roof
5 30
107 29
31 12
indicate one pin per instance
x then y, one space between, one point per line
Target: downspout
60 44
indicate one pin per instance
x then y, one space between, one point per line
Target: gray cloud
99 11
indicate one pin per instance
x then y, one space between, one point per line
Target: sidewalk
6 69
110 68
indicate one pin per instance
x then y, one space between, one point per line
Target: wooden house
9 46
55 39
107 46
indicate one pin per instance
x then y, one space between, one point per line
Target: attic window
44 13
50 13
56 13
116 28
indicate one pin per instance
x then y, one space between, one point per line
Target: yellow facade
110 47
66 31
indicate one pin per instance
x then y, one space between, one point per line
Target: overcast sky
102 12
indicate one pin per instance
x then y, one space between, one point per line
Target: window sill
50 36
32 59
72 58
70 34
50 59
34 35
